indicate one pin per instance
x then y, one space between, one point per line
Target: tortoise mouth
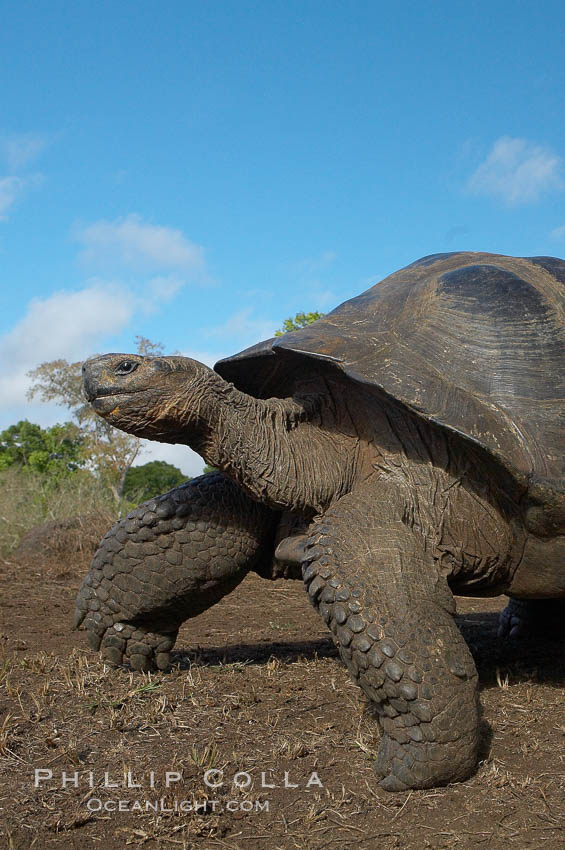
109 392
105 401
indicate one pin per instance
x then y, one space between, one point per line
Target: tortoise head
254 441
150 397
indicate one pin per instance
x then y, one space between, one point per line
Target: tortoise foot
400 767
123 636
407 764
132 644
525 618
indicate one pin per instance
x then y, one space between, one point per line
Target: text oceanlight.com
95 804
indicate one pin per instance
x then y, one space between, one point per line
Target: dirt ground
256 688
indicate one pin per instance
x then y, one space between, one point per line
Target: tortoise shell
474 342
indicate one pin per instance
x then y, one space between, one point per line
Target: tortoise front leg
391 616
170 559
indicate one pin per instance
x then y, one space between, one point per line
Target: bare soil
256 688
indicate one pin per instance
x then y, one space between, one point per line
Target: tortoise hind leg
169 560
524 618
391 616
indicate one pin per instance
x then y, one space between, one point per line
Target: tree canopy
57 450
299 321
151 479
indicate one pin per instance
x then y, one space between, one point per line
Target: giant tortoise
405 447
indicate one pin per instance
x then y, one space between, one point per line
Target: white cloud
558 233
11 188
164 288
323 300
72 325
517 171
19 149
133 243
312 265
66 325
245 329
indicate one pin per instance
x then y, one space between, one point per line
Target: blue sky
197 171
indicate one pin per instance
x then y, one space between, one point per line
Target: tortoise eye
126 367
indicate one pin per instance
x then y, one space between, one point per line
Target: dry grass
75 714
79 510
243 701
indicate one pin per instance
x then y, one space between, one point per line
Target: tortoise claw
129 644
79 616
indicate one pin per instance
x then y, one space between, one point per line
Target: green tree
299 321
151 479
107 450
55 451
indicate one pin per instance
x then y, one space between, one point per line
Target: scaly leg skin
169 560
391 616
525 618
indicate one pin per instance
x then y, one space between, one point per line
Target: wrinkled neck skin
289 453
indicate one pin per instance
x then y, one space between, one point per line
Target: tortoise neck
275 449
